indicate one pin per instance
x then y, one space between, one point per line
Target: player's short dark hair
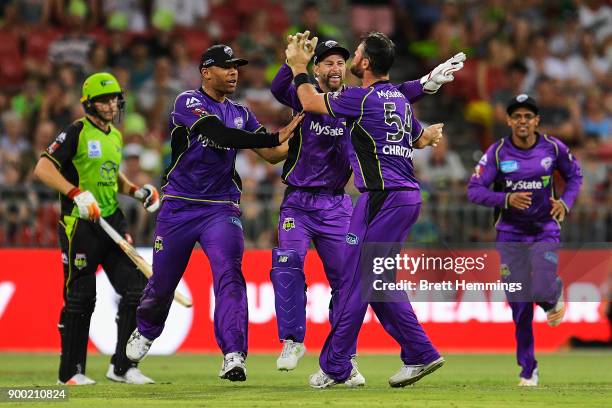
380 50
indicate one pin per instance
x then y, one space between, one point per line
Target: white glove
86 203
442 74
149 197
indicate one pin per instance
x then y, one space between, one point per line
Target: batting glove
86 203
442 74
149 197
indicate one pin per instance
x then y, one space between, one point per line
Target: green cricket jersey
89 158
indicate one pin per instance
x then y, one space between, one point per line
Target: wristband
301 79
73 193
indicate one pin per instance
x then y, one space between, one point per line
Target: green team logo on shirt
504 270
108 172
545 180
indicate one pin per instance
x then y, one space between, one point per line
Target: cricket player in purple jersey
315 207
201 204
521 169
383 133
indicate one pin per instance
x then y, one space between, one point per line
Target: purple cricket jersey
319 152
512 169
200 169
382 132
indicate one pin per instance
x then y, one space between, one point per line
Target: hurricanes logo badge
288 223
159 244
80 261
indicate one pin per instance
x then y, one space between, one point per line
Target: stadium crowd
558 51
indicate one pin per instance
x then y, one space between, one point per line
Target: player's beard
334 87
357 71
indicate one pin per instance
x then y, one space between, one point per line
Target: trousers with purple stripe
530 259
217 227
378 217
321 217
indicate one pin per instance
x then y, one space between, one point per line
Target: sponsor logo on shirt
389 94
546 162
508 166
238 123
528 184
326 130
94 149
504 270
192 102
477 171
206 142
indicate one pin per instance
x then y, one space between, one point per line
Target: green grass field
467 380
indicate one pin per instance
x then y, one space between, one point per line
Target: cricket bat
138 260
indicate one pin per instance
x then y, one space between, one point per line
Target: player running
315 207
201 204
521 168
83 165
383 133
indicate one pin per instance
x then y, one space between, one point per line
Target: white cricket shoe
137 346
77 379
529 382
356 379
555 315
321 380
409 374
291 354
132 376
234 367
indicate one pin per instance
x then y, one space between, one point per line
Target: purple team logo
546 162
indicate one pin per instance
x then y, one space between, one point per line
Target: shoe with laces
290 355
234 367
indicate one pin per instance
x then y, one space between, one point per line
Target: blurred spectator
541 63
586 67
28 100
371 15
596 122
596 15
258 41
449 34
441 168
559 115
142 65
183 67
257 96
310 20
73 47
98 60
156 96
124 14
13 141
515 74
186 13
56 105
162 37
593 170
44 133
34 12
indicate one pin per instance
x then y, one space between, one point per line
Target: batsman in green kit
82 164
